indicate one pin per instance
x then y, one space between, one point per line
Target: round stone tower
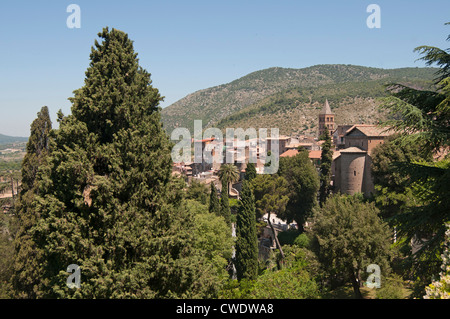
353 162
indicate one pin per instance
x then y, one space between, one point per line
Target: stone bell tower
326 119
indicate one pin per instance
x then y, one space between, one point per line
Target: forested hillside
289 93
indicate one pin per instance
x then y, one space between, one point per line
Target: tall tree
214 239
303 181
250 171
423 117
225 210
197 191
107 200
37 148
350 236
271 197
214 204
325 167
246 260
27 256
393 195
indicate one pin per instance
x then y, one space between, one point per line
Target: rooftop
289 153
282 137
370 130
315 154
352 150
326 108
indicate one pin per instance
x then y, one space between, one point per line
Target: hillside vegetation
5 139
290 98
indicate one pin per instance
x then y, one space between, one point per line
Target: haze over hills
290 99
5 139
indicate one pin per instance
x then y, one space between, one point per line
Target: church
353 147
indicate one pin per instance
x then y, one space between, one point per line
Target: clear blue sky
192 45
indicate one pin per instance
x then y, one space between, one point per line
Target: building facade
351 168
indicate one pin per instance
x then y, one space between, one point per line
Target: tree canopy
106 197
350 236
325 167
423 117
27 254
247 242
303 185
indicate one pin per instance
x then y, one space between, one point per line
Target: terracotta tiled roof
370 130
289 153
315 154
204 140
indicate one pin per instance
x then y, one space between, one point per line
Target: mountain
270 97
5 139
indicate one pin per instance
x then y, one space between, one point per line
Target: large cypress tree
250 171
37 148
225 210
106 196
246 244
214 204
325 168
27 256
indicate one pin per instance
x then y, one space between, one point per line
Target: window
354 173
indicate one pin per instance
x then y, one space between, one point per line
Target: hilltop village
352 147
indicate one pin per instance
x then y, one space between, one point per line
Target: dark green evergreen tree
325 168
197 191
214 204
250 171
246 260
106 197
225 210
37 148
27 256
393 196
422 117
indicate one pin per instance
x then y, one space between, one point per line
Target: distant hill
5 139
290 98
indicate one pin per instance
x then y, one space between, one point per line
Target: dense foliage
350 236
99 192
326 159
247 241
105 195
422 117
303 185
275 90
28 269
